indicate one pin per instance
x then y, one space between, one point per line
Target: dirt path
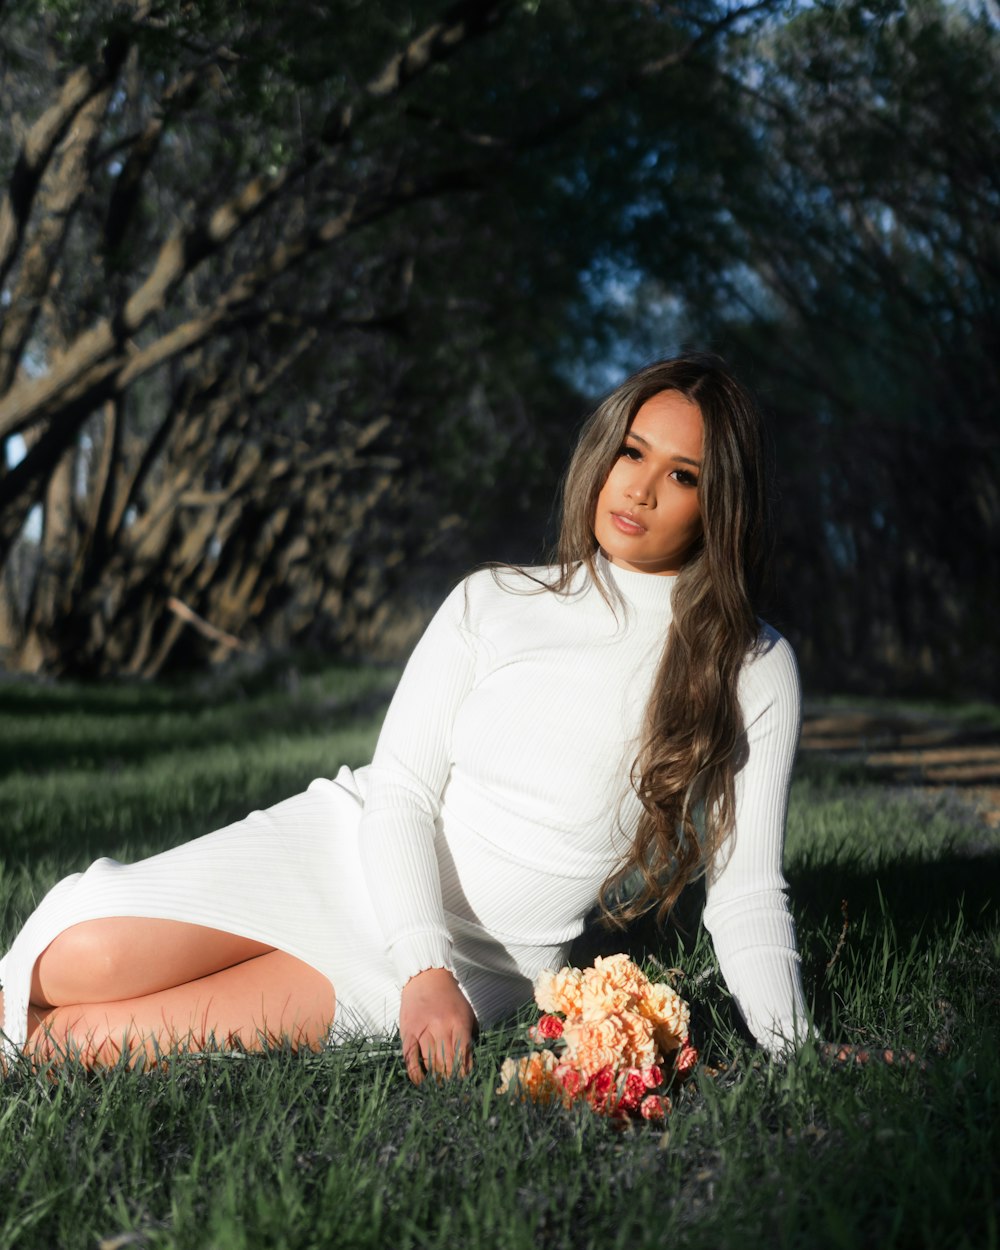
923 752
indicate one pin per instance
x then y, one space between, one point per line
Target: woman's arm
403 798
746 908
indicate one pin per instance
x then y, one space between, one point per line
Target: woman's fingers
450 1056
414 1061
446 1059
846 1053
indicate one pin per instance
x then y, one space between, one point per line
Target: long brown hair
693 724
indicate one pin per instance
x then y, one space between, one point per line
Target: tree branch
205 628
143 148
461 22
64 187
97 353
41 142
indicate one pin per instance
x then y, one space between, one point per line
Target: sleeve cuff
419 951
783 1039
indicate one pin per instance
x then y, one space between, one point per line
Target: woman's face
648 515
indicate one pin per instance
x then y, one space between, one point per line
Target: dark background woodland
302 303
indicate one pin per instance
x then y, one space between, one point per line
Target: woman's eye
685 477
631 453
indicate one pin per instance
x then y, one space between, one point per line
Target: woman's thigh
128 957
270 999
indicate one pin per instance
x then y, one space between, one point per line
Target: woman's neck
654 590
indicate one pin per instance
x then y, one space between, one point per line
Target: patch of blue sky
15 449
647 321
14 452
645 326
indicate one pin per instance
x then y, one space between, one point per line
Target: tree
264 273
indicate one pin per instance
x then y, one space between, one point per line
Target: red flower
569 1078
600 1093
654 1107
549 1027
686 1057
633 1090
652 1076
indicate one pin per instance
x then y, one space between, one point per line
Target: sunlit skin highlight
648 515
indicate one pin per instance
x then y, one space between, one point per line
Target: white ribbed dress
496 804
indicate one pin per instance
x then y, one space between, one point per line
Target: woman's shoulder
520 576
493 590
770 674
772 647
501 581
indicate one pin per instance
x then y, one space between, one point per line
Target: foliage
285 291
853 272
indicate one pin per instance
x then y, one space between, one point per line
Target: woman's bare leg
268 999
131 956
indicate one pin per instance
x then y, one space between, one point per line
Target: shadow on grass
643 938
915 901
100 733
21 697
918 895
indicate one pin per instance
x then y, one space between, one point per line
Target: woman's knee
86 962
130 956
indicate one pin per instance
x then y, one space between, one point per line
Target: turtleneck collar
641 590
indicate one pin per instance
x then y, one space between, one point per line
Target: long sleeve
746 909
403 793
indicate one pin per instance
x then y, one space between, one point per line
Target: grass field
339 1150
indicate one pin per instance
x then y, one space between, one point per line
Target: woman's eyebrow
683 459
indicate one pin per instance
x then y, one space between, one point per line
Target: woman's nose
638 489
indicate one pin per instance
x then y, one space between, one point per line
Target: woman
557 732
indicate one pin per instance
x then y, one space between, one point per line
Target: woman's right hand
437 1026
846 1054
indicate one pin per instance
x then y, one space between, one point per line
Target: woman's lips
626 524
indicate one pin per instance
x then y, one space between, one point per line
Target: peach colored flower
601 997
622 972
668 1012
559 991
530 1078
594 1044
614 984
611 986
639 1048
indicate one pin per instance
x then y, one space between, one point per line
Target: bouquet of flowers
608 1037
